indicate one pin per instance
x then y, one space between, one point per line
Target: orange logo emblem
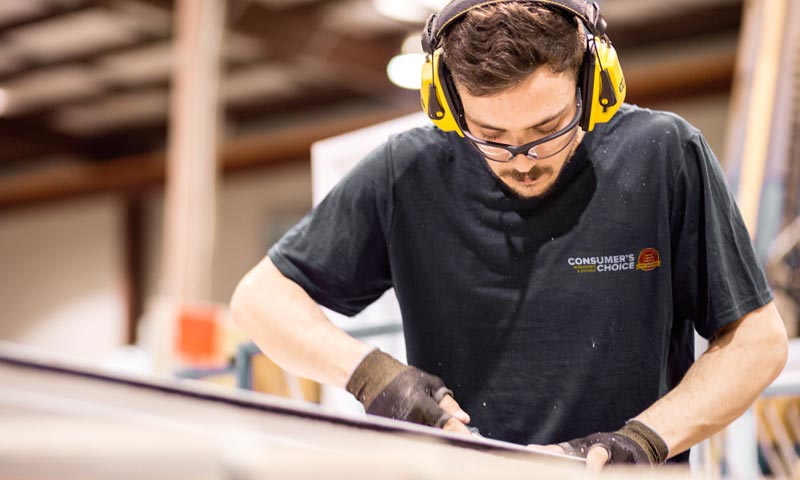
649 259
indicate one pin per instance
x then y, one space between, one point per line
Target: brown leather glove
633 443
391 389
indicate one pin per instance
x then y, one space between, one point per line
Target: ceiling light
412 44
403 10
405 70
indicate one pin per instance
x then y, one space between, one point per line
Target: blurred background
151 152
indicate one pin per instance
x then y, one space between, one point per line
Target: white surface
82 426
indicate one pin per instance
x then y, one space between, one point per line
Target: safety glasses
538 149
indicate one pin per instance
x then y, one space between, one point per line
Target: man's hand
633 443
391 389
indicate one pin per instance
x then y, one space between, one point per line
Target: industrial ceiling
86 83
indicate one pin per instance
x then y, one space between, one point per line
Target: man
552 288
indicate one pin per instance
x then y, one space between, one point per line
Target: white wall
253 209
62 268
61 277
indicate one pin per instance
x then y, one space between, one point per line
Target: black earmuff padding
451 94
427 36
586 79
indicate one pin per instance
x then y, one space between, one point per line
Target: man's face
541 105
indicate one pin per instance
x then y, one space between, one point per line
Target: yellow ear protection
600 79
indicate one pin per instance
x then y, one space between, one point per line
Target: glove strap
647 438
372 375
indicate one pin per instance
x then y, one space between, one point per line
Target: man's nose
522 163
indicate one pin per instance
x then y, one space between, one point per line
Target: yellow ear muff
608 91
434 95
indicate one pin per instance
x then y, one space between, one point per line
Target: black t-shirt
550 318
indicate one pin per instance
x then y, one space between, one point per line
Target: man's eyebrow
532 127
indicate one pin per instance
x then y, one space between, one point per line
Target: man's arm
742 359
290 328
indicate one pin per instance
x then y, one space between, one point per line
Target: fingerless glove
391 389
633 443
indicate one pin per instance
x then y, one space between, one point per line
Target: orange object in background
197 338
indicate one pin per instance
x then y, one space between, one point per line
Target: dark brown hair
497 46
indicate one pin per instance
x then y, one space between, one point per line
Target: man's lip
528 180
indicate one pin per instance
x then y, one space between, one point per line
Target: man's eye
551 131
491 138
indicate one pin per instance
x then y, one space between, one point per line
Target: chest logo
649 259
606 263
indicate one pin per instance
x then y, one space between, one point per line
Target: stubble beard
511 177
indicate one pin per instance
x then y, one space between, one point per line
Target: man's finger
455 425
596 458
546 448
450 406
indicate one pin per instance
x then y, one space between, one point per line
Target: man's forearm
291 328
741 361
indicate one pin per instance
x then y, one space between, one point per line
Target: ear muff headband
589 15
600 79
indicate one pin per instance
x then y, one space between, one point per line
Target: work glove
633 443
391 389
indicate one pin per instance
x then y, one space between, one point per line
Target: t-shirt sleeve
338 252
717 278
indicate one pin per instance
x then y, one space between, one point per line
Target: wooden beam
757 98
298 36
191 170
31 66
680 24
680 79
135 255
646 85
52 11
133 174
36 132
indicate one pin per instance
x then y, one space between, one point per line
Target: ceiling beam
83 59
298 36
132 174
647 84
52 11
256 114
699 20
36 133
